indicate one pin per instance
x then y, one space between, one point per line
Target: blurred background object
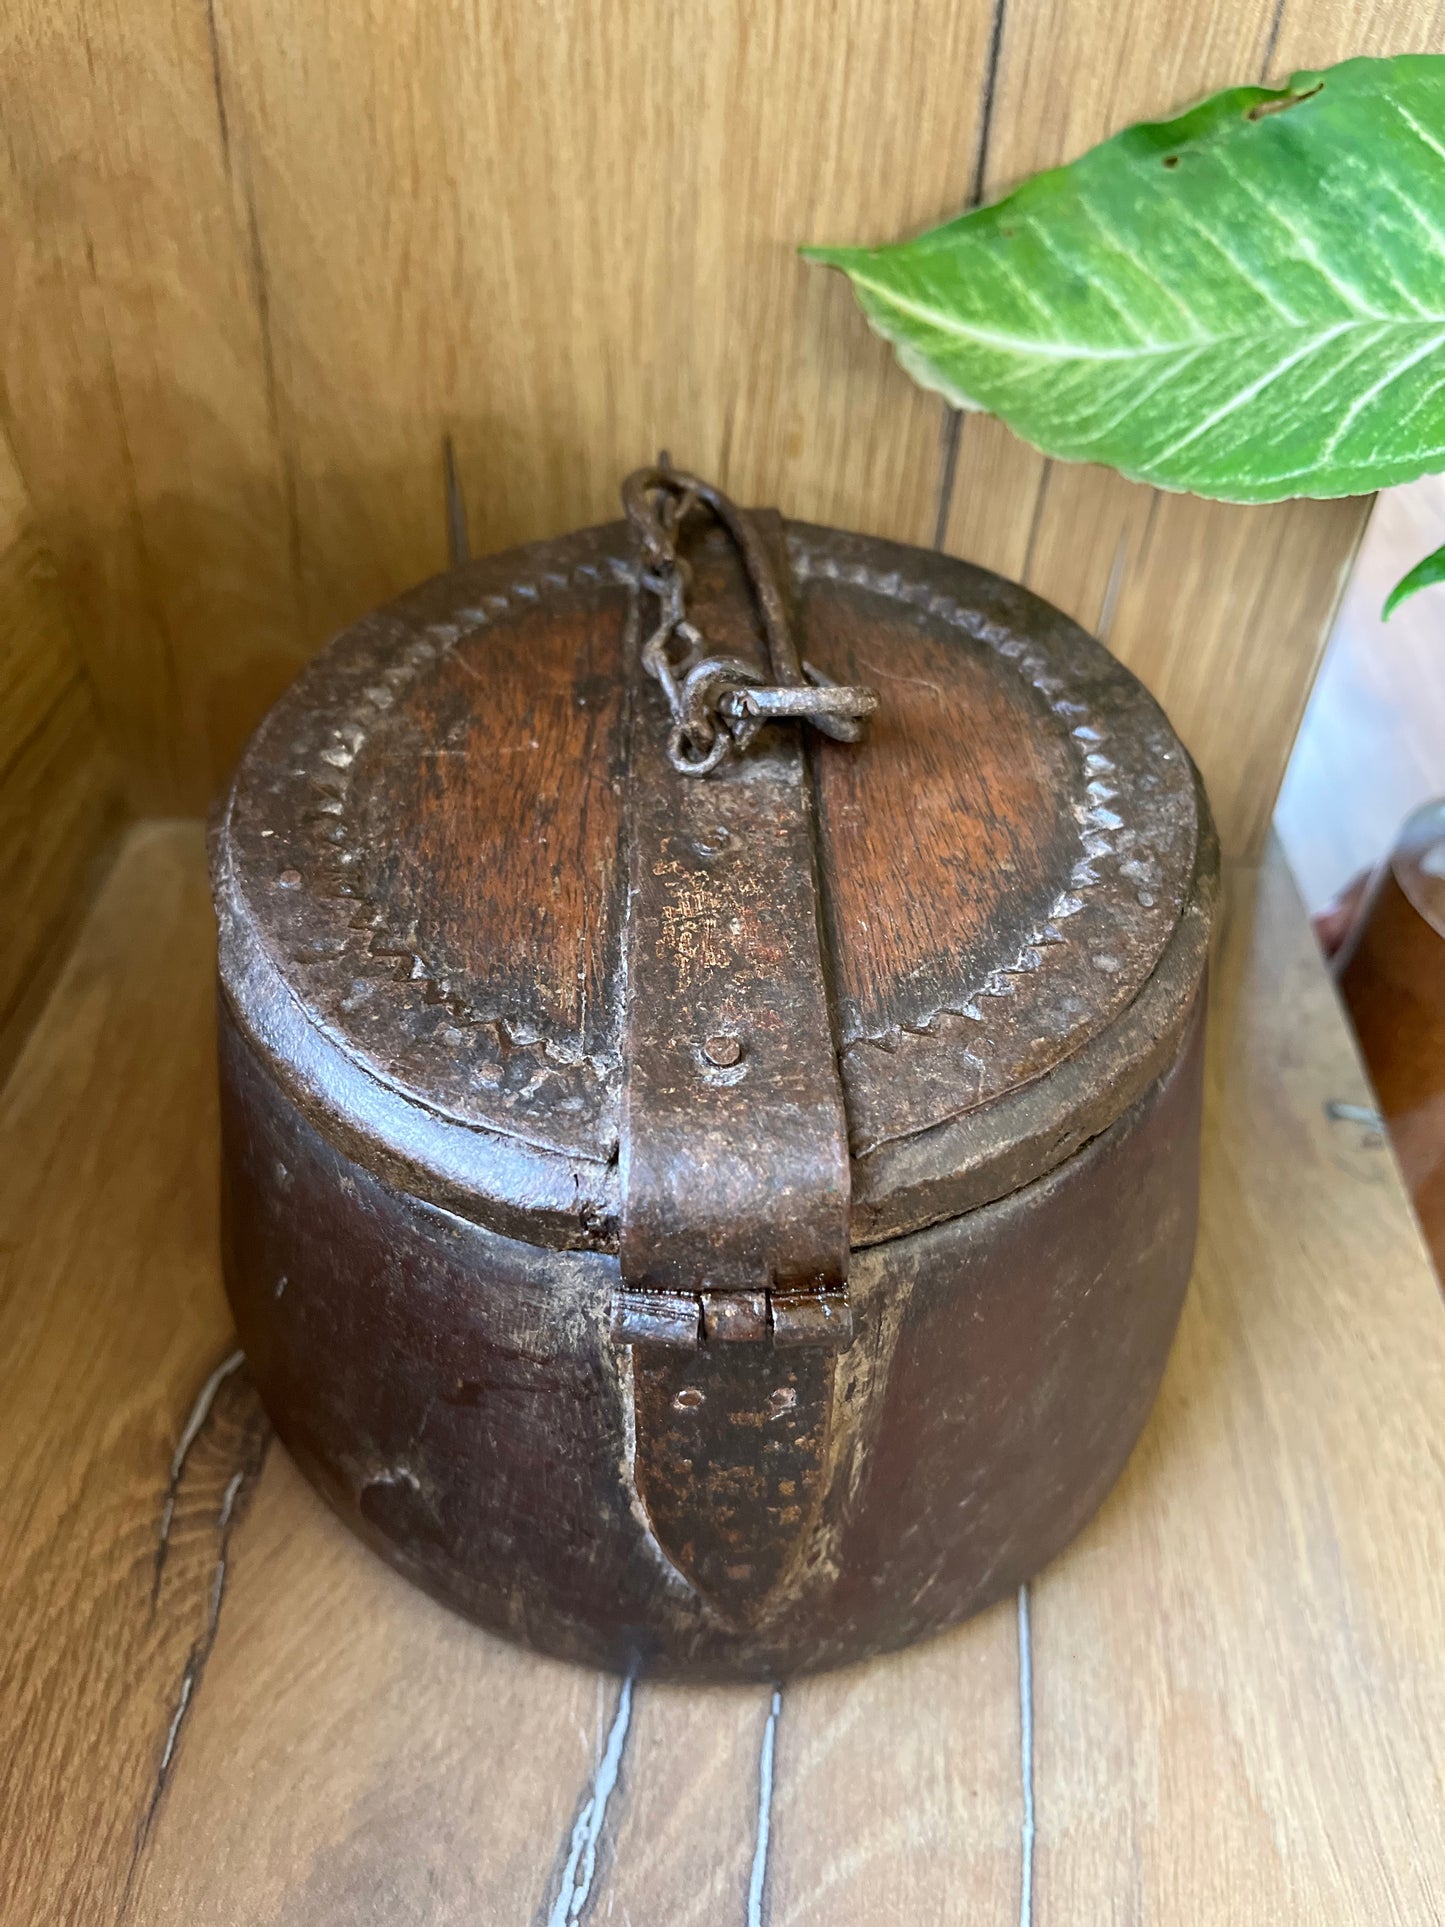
1391 971
1371 747
1370 757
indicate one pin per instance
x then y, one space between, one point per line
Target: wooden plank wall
57 788
262 258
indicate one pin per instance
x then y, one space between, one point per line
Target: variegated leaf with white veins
1247 302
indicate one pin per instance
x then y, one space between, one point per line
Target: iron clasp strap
734 1180
719 703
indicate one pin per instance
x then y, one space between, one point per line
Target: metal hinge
685 1321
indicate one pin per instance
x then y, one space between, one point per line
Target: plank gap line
948 471
758 1879
459 546
1026 1761
953 417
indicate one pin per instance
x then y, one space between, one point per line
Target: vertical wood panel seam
985 115
1026 1761
459 544
725 444
1112 587
23 745
953 419
948 469
1036 520
153 599
41 552
261 295
217 85
1151 521
1271 41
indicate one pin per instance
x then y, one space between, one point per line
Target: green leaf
1248 301
1424 575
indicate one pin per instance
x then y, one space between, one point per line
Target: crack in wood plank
579 1872
250 1448
190 1431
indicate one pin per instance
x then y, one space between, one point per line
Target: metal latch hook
718 704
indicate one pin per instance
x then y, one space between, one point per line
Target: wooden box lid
420 878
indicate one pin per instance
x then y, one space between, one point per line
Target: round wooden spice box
710 1172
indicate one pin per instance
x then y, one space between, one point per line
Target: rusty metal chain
719 703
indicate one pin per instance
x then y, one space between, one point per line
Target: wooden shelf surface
1225 1703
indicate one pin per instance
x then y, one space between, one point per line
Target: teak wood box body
725 1225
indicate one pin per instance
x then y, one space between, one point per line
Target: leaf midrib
1064 350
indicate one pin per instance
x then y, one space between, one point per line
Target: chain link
719 703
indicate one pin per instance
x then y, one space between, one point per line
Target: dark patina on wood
726 1223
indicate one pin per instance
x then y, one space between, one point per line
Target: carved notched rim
1137 821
